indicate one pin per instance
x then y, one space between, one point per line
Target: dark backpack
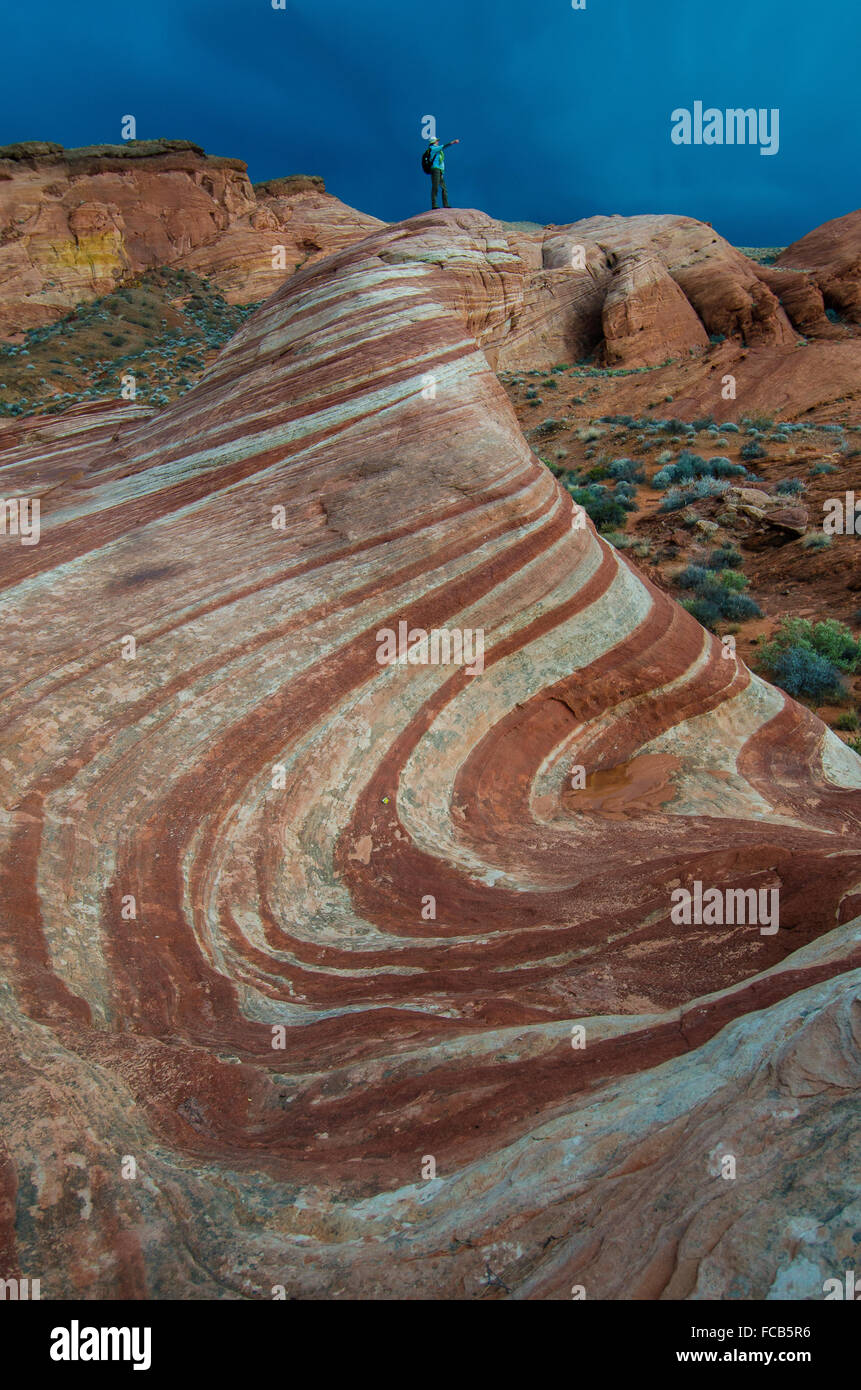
427 160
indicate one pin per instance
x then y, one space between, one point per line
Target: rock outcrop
74 224
646 317
831 257
300 944
637 291
765 520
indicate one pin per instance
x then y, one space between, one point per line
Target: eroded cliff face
76 223
283 923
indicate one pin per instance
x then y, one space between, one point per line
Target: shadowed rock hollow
280 808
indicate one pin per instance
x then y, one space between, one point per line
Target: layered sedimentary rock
76 223
295 223
646 317
375 995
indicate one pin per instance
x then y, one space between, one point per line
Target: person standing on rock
434 162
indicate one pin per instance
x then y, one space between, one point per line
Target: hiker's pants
437 183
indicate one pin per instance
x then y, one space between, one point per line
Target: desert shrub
848 721
714 606
674 500
623 541
704 611
834 640
721 467
689 466
596 474
607 511
752 450
626 470
808 660
729 427
717 596
693 577
805 674
707 488
724 557
817 540
789 487
626 493
738 607
677 497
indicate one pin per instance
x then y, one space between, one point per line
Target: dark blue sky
562 113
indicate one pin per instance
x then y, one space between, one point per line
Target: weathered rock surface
776 519
831 254
245 828
75 223
723 286
646 317
650 288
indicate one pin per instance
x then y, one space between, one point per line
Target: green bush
690 466
607 511
724 557
717 595
678 497
626 470
808 660
734 580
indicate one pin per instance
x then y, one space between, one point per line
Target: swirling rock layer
283 924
